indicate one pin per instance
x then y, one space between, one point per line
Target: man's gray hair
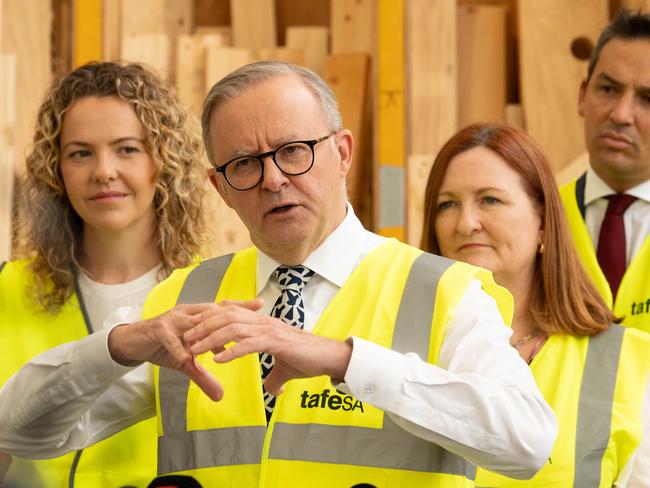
255 74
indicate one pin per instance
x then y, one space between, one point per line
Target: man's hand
298 354
160 341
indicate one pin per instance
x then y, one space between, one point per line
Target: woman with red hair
491 201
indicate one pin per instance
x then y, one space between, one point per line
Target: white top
636 218
480 402
101 300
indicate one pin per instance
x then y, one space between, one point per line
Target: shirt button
368 390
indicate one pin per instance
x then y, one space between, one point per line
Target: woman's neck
119 257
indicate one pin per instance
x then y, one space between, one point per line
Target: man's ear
218 183
345 148
581 98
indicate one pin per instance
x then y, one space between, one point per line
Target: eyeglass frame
261 157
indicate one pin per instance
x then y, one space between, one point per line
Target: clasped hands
175 338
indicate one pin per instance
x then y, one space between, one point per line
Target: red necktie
611 241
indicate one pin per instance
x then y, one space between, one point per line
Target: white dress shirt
636 218
480 402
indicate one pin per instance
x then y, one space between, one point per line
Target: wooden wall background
408 74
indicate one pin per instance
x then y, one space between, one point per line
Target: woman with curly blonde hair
112 203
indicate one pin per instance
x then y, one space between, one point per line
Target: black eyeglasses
293 159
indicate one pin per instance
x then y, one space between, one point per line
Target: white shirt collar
596 188
334 259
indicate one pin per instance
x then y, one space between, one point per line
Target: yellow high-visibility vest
125 459
632 302
399 298
595 386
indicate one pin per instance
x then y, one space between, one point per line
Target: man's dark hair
626 24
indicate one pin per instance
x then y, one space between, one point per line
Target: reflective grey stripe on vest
178 449
596 404
388 447
391 446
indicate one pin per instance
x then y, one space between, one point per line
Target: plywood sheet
226 232
419 167
432 95
314 41
253 24
287 54
191 68
223 60
7 150
211 12
481 63
223 31
351 25
26 33
551 74
299 12
348 76
142 16
111 30
149 49
515 115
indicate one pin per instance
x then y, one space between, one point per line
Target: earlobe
217 184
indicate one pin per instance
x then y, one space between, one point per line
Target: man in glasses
328 355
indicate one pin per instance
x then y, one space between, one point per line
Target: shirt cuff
374 374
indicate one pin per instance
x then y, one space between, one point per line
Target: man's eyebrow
605 77
276 144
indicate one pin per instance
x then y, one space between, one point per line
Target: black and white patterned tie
290 309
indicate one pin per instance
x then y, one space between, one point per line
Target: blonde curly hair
52 228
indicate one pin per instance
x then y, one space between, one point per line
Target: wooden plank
191 68
549 89
211 12
253 24
313 40
170 17
515 115
223 60
351 25
143 16
643 5
62 36
348 76
223 31
7 150
26 32
481 63
149 49
419 167
287 54
432 96
299 12
88 37
111 30
179 20
228 234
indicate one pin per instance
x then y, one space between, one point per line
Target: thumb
204 380
274 382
